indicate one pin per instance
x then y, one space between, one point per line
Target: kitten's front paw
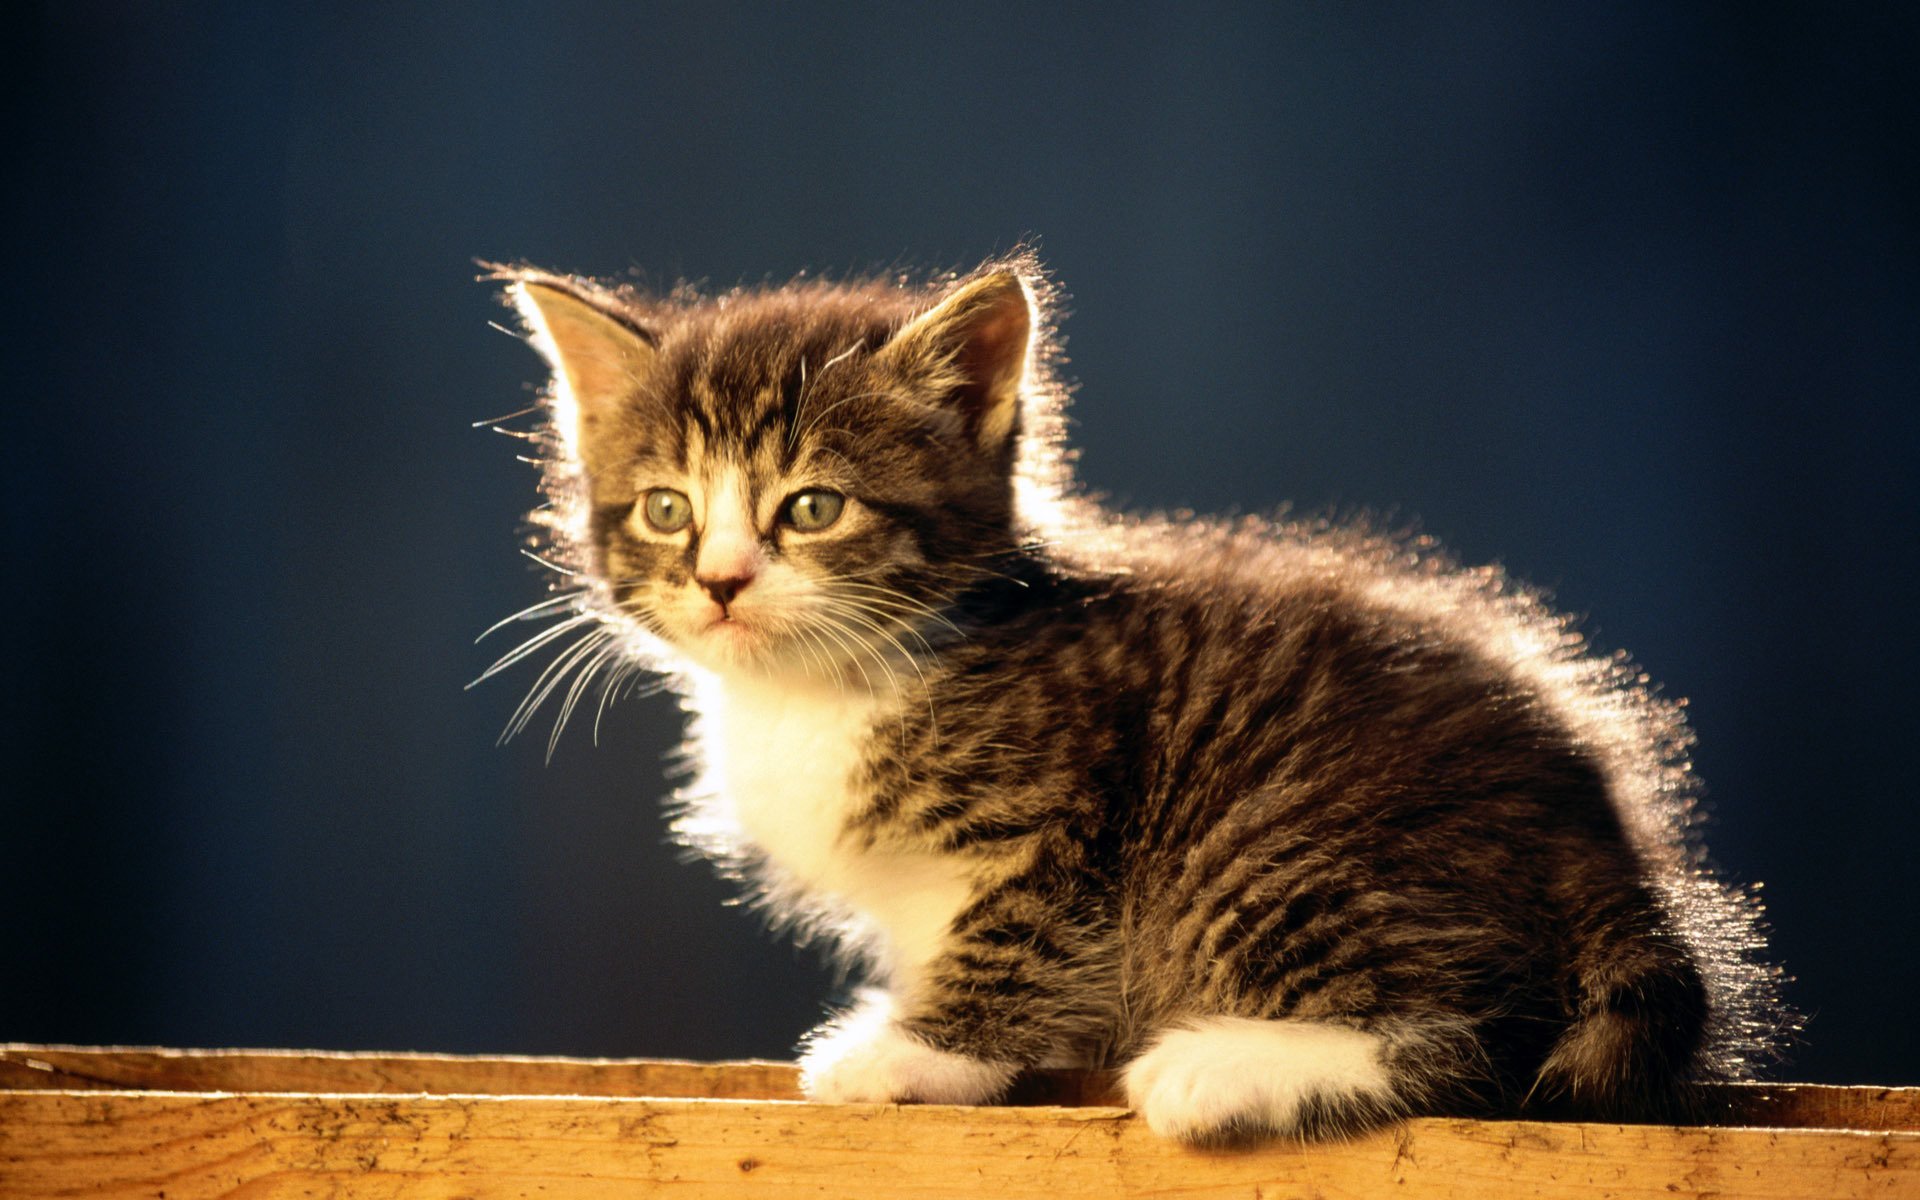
865 1058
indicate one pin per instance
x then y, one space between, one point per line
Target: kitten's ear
974 345
597 358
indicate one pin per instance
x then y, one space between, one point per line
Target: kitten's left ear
973 345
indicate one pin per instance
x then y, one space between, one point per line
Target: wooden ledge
190 1124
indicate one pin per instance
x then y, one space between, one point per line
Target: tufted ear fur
974 345
598 358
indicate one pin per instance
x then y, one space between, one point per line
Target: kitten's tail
1640 1012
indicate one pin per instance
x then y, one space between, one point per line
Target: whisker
525 435
531 408
821 415
799 405
875 619
840 357
613 680
879 660
856 581
800 402
813 655
608 649
532 644
534 612
551 566
551 678
926 689
889 603
851 654
611 693
862 581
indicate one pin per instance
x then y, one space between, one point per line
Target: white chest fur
786 769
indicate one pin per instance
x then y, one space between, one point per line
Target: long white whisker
617 677
892 598
879 660
573 659
799 405
896 593
534 611
863 579
528 411
622 688
856 581
878 620
813 655
552 677
852 655
833 618
609 647
891 605
533 644
544 683
926 690
550 565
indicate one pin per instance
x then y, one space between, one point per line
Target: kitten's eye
666 510
809 511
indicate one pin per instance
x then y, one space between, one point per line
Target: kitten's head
799 479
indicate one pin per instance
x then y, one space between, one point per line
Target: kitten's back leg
1214 1079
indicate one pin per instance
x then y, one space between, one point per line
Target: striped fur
1300 826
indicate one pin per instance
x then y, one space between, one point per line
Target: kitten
1299 826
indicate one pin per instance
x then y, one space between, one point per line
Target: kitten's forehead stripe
702 408
766 432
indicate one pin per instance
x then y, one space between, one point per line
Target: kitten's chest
791 774
791 768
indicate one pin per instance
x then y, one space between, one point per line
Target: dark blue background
1626 297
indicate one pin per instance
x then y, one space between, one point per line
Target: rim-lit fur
1169 773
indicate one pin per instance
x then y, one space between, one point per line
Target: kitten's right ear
597 356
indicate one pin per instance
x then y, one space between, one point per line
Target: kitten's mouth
728 629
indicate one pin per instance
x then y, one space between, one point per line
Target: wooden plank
200 1146
75 1068
1820 1106
80 1068
187 1124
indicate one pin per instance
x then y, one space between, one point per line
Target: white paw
1230 1076
863 1058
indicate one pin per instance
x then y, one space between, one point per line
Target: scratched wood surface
186 1125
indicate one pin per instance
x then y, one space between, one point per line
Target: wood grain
195 1147
186 1125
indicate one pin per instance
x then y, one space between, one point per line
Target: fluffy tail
1639 1013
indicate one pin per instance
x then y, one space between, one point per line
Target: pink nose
725 588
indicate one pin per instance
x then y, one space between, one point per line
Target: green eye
809 511
666 510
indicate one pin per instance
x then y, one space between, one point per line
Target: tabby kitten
1299 826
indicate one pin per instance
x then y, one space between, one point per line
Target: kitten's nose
729 554
725 588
